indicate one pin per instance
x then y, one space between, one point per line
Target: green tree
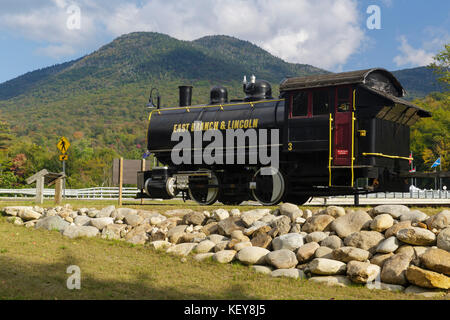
441 64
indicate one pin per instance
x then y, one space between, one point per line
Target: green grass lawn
33 265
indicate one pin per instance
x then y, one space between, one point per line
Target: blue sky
331 34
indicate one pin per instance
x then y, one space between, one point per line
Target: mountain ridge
103 94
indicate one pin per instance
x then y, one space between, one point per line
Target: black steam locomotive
336 134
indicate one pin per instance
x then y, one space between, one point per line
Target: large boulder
290 210
261 239
222 245
395 210
443 239
334 211
216 238
220 214
306 251
210 228
113 231
252 255
182 249
332 242
414 216
385 286
224 256
82 221
176 233
241 245
350 223
380 259
160 245
382 222
14 210
416 236
228 225
347 254
203 256
324 252
106 212
290 241
133 219
424 292
323 266
394 269
139 238
439 221
73 231
366 240
392 231
27 214
262 269
100 223
282 259
256 226
288 273
338 281
205 246
250 217
196 218
436 260
52 223
427 279
319 222
280 226
316 236
388 245
362 272
177 212
121 213
157 219
193 237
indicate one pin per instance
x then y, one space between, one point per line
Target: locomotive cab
352 130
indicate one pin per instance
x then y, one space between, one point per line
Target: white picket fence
88 193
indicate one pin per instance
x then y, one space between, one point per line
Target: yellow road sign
63 144
63 157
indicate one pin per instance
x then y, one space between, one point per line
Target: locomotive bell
258 90
218 95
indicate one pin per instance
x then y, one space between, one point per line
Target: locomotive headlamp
150 103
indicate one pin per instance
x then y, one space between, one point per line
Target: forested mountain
107 90
419 82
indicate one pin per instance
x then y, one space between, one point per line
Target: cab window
299 104
344 99
321 102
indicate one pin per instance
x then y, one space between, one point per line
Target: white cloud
411 56
322 33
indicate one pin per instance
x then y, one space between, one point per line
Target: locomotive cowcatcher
339 134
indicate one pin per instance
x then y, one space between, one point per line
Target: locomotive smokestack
185 95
